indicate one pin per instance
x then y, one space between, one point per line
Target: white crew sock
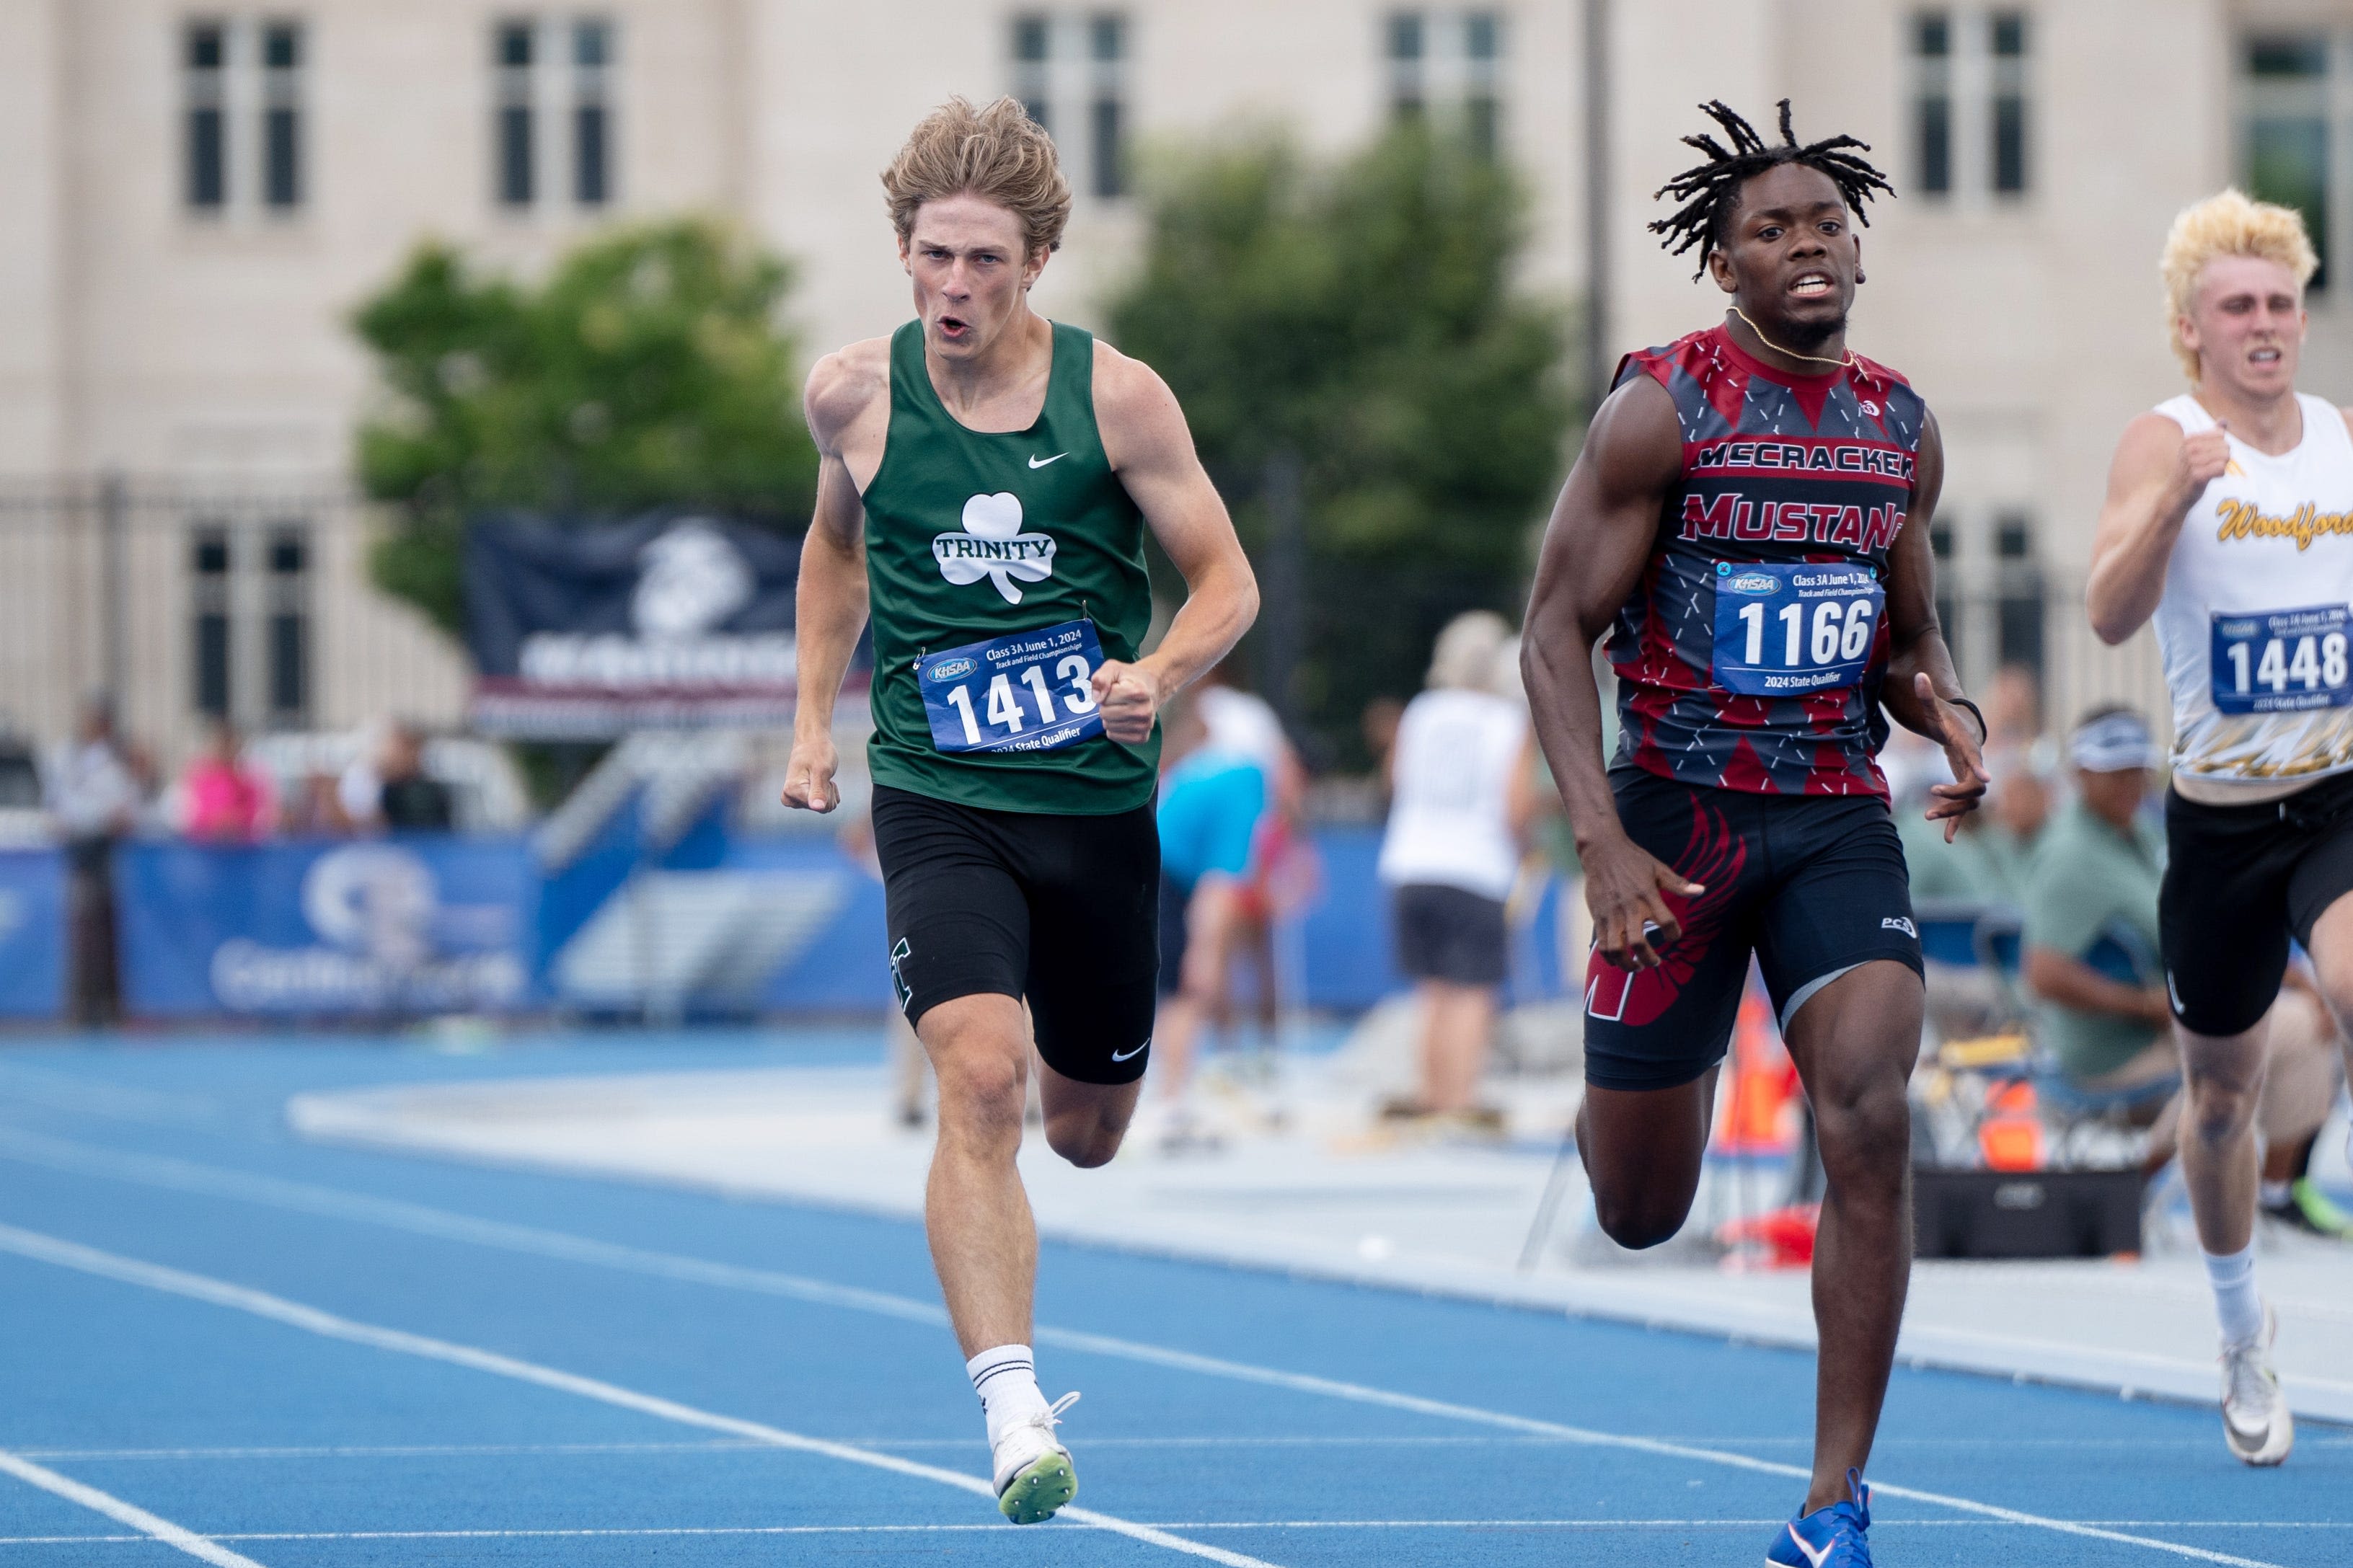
1007 1381
2233 1275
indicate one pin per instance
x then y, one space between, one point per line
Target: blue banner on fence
409 924
32 934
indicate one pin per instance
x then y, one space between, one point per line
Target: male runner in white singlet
985 479
2230 519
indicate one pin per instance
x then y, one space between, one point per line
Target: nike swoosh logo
1130 1056
1040 463
1812 1556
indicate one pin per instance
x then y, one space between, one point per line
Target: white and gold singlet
2256 624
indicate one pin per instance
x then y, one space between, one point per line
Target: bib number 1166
1783 629
2283 661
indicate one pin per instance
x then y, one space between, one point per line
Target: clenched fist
1129 695
2203 459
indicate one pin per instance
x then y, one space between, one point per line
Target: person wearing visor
2092 963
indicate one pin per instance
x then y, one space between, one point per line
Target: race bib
1784 630
1025 692
2282 661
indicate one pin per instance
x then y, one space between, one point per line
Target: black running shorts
1062 909
1811 885
2239 881
1449 934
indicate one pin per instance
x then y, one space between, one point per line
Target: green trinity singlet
972 536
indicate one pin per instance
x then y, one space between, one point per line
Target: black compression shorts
2239 881
1060 910
1813 885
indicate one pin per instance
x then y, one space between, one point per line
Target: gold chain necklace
1846 363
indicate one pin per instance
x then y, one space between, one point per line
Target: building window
2017 626
1482 100
514 47
208 573
288 607
1971 117
2283 132
205 88
1408 50
1033 68
1932 101
1107 45
281 115
592 113
2009 102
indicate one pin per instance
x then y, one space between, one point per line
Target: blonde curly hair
994 151
2228 223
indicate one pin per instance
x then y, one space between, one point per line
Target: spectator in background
1450 855
409 800
91 788
1241 723
1213 802
2092 963
222 800
1987 862
2013 706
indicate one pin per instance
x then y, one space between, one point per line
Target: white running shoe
1033 1469
2255 1419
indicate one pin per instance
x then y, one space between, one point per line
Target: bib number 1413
1029 692
2283 661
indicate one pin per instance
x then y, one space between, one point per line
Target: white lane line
1196 1524
149 1526
294 1314
1245 1440
189 1176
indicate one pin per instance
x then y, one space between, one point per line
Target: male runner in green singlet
986 476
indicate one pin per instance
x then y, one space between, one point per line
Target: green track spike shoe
1034 1478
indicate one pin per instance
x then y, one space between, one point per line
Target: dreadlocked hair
1710 191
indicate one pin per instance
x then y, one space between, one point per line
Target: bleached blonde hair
1467 652
994 151
2228 223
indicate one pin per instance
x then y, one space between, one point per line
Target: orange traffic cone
2010 1136
1759 1115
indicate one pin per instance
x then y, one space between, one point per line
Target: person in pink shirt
223 799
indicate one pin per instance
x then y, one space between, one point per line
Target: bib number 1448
2283 661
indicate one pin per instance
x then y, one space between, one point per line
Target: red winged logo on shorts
1714 858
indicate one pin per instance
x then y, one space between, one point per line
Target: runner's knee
982 1091
1085 1138
1865 1128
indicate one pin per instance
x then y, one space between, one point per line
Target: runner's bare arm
1600 538
2158 475
1920 678
829 600
1149 447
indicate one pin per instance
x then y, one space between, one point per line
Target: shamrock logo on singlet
992 545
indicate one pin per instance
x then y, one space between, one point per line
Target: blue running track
221 1344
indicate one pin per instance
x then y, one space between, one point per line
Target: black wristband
1984 731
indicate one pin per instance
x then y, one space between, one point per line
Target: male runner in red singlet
1749 523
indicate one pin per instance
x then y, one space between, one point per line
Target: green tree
651 367
1360 322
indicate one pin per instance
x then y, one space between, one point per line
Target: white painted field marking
149 1526
335 1203
312 1319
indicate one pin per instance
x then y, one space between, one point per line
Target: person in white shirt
2228 522
1451 855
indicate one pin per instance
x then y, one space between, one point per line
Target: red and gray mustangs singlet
1750 655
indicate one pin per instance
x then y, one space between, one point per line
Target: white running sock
2233 1275
2271 1195
1007 1381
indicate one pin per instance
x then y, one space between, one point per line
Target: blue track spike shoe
1832 1537
1034 1476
